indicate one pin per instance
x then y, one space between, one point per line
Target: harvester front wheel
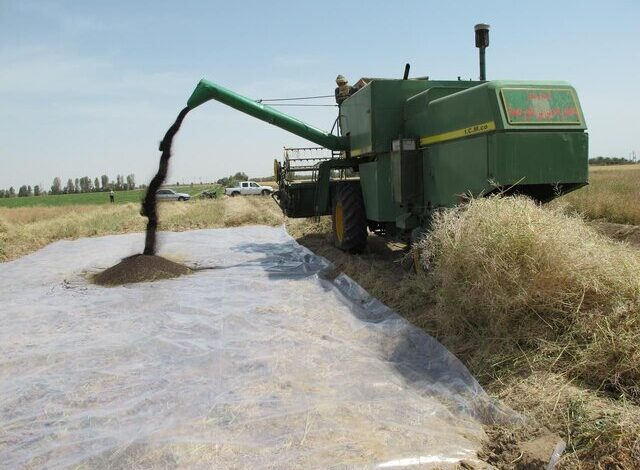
349 218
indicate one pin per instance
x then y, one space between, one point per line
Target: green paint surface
206 91
377 189
101 197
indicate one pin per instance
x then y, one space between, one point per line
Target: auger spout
207 90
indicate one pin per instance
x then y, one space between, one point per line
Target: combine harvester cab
409 147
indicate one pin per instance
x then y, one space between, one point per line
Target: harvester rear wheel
349 218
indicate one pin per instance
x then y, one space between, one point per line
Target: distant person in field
112 197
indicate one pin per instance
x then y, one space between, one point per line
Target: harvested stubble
612 194
517 275
24 230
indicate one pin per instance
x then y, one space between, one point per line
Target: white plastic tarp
256 361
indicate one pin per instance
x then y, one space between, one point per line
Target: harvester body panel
375 116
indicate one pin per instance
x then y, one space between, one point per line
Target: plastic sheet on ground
256 361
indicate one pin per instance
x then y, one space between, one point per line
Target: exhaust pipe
482 42
406 71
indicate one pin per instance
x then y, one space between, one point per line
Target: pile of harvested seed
140 268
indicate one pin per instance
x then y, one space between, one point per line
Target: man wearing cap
343 91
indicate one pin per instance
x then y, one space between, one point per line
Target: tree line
610 161
233 180
74 186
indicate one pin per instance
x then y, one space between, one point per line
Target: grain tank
408 147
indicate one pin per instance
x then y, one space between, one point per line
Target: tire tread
354 218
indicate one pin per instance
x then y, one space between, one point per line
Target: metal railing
302 163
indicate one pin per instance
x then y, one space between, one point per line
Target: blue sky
90 87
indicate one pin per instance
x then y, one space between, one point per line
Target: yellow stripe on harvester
358 152
471 130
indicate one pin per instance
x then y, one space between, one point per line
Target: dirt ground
620 232
525 449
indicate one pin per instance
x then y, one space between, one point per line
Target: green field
122 197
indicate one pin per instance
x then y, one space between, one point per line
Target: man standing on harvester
343 90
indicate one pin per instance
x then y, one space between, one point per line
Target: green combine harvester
408 147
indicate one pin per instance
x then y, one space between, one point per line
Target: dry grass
524 276
613 194
24 230
600 432
546 312
245 210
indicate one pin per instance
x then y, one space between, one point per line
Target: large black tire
235 193
265 192
349 218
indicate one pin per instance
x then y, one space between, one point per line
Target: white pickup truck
245 188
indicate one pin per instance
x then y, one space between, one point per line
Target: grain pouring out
148 266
